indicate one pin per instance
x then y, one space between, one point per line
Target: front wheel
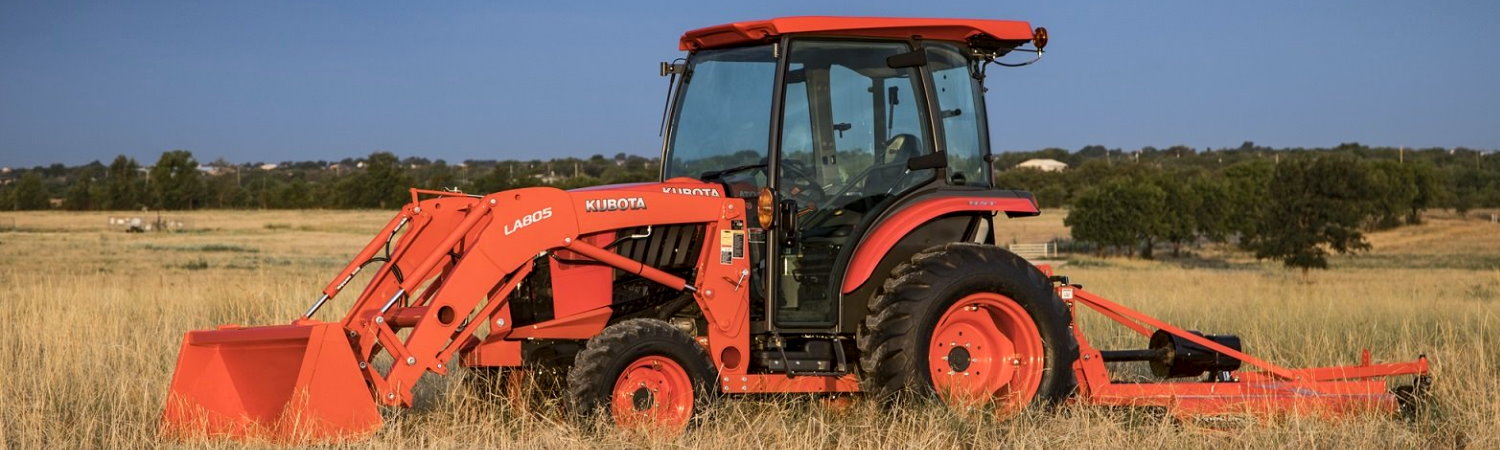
968 324
643 373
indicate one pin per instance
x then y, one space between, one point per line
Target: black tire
893 340
591 382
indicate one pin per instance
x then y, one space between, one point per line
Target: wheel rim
985 348
652 392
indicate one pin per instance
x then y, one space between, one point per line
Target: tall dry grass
92 319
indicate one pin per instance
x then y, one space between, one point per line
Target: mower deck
1271 390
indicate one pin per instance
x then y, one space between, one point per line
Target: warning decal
731 245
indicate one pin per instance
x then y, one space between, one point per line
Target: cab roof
758 31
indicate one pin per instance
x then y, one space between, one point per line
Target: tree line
178 181
1292 205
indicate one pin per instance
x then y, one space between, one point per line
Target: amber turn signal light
765 207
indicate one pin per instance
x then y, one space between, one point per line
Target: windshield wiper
719 173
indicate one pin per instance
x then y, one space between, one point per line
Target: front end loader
824 224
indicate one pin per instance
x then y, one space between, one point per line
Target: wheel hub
958 359
986 348
641 399
652 392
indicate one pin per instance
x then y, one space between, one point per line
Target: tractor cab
826 127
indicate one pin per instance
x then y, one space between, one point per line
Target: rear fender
884 235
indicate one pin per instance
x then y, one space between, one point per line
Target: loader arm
449 265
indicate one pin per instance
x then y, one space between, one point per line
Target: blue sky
272 80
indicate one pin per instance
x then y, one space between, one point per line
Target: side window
849 123
959 99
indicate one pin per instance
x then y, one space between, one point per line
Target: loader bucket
297 382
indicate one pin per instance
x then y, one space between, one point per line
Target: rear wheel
968 324
644 374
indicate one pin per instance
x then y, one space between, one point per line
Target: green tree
439 175
1468 187
1121 213
224 190
175 181
383 184
123 185
1050 188
1432 190
1247 187
30 193
1181 207
1393 190
1316 205
296 194
80 196
1214 216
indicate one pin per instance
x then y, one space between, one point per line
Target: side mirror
935 160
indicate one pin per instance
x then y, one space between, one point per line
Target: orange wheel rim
985 348
653 392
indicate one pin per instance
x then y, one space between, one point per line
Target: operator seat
886 177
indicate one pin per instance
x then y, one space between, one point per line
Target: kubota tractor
823 225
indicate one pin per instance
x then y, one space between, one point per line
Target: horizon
275 82
329 162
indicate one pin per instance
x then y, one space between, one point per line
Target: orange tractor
824 224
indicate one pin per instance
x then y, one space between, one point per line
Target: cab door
849 124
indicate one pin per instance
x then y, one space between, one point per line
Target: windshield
723 116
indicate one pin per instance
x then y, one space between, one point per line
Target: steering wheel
800 185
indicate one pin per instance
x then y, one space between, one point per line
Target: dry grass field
92 318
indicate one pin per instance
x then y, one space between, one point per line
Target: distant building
1045 165
5 169
268 166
